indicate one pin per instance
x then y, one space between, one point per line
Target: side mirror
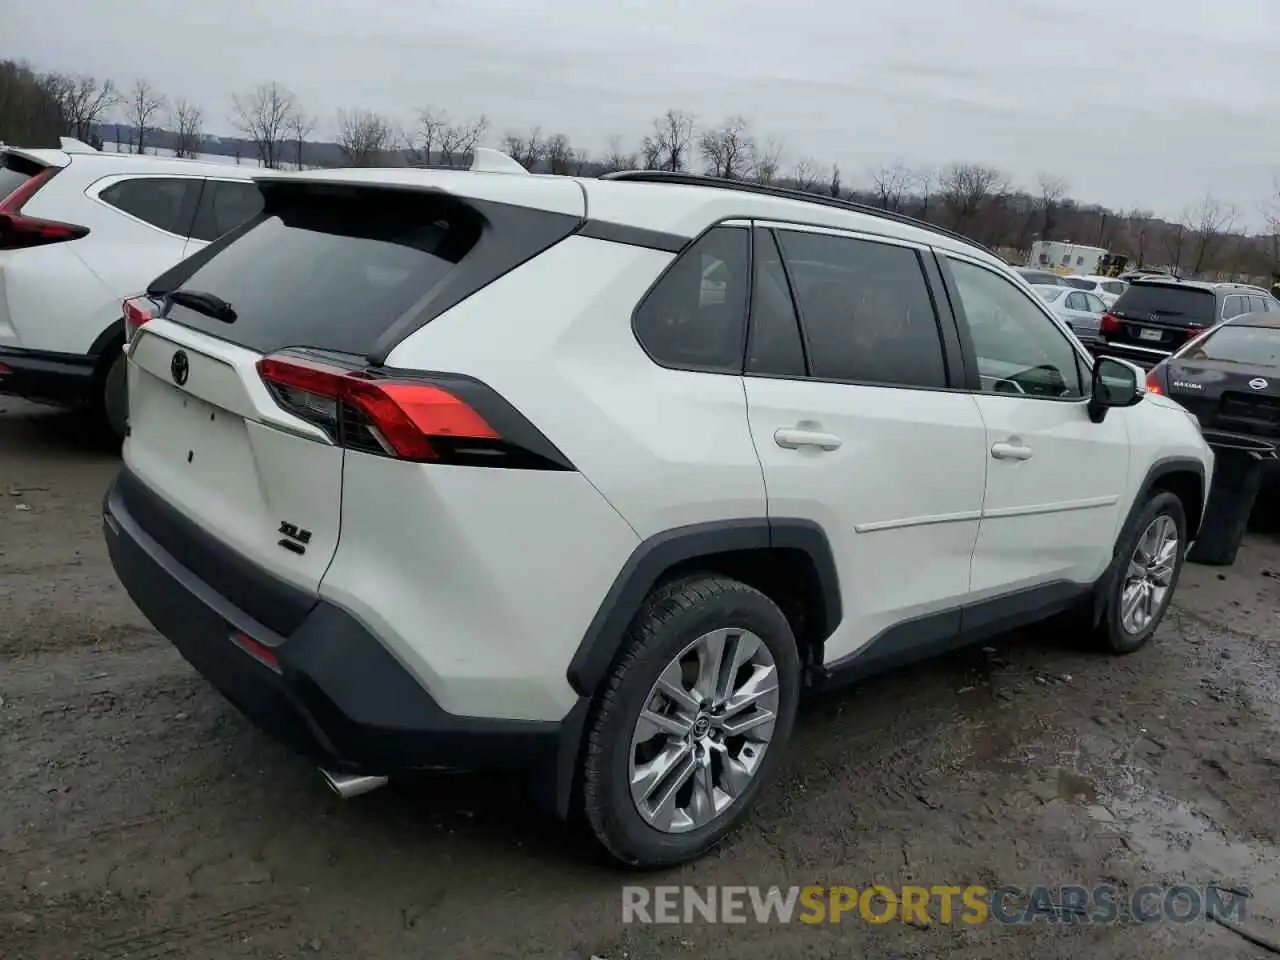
1116 383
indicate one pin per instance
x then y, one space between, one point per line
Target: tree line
975 199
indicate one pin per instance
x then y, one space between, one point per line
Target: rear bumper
62 378
336 694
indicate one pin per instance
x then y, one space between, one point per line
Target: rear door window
694 318
167 203
225 205
865 310
332 270
1233 307
1169 301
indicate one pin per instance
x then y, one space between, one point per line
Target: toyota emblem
1258 383
180 367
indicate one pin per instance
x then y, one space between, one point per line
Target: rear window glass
13 174
1050 294
331 270
1079 283
1168 300
1256 346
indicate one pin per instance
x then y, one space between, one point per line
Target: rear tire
1148 562
731 656
113 403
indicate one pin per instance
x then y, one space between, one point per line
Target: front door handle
791 438
1002 450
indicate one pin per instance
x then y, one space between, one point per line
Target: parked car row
592 478
80 230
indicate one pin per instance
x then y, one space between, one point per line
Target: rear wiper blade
210 304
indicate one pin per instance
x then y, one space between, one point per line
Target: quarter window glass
1019 349
865 309
696 315
1077 302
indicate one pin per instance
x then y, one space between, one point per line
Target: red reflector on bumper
256 650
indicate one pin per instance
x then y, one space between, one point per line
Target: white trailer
1065 258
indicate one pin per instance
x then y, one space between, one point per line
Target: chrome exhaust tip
348 785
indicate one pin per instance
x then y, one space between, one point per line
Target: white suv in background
592 477
81 230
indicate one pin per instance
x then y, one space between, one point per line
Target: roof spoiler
72 145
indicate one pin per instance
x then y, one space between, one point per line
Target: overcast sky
1024 85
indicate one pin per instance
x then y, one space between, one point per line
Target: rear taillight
406 419
1153 383
18 231
1194 331
1109 323
137 311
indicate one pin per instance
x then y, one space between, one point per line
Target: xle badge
295 539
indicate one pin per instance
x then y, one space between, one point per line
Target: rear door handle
791 438
1010 451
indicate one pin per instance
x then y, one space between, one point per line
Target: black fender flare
652 558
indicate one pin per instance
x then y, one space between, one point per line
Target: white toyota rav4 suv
79 231
592 477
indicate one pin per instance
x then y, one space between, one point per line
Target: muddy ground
140 816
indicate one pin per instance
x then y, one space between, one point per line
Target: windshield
1168 299
1254 346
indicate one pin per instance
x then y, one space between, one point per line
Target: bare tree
1175 244
459 139
527 149
1271 217
834 187
728 149
669 145
1209 222
805 175
892 183
1138 232
297 128
768 161
561 157
966 190
426 139
1052 190
186 120
617 157
363 137
263 116
141 106
83 100
925 179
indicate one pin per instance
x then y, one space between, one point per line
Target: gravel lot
140 816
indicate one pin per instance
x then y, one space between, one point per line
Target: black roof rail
786 193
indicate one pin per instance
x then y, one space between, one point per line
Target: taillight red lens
18 231
1153 383
1109 323
400 418
137 311
1194 331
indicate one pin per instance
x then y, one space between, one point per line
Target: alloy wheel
703 730
1149 575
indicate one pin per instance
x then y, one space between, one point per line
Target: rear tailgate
205 435
334 271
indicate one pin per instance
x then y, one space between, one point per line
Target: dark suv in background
1153 318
